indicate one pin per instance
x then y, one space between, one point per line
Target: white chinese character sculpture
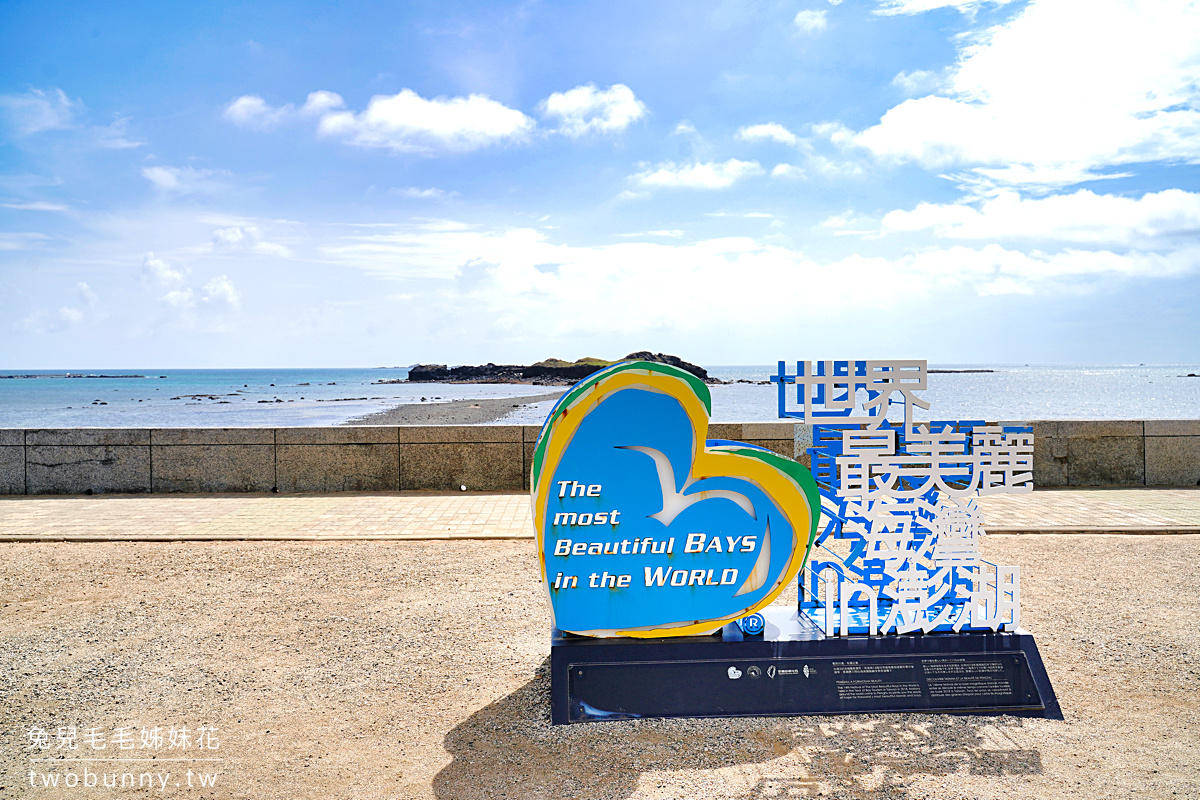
900 494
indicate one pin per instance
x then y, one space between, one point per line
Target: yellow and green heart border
789 484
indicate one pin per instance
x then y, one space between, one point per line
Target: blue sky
209 185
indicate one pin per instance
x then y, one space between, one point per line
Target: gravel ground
418 669
455 412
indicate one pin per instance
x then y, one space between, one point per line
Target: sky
207 185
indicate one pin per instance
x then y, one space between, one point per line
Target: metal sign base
793 669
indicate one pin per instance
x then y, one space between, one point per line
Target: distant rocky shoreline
71 375
551 372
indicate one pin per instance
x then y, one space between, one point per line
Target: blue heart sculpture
645 527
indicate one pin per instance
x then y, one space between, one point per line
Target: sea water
1007 393
218 397
1012 393
283 397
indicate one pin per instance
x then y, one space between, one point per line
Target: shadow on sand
509 749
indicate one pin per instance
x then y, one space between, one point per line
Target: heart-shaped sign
645 527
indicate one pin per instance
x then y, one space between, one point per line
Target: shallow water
284 397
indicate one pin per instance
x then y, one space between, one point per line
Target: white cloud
36 205
835 132
670 234
86 295
320 101
162 177
813 162
1059 94
44 322
207 309
179 300
849 223
65 317
1082 217
809 21
417 193
221 292
407 122
770 131
183 180
790 171
834 169
434 249
115 136
586 109
524 284
183 301
20 240
743 214
839 221
185 306
251 111
160 271
37 111
45 110
697 175
512 277
246 238
894 7
234 238
70 316
917 82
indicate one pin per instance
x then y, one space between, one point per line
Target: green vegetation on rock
587 361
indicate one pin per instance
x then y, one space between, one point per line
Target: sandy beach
454 412
384 670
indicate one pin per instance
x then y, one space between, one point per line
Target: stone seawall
486 457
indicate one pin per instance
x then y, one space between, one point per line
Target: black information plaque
979 673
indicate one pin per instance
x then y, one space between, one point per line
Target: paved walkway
420 515
393 515
1094 511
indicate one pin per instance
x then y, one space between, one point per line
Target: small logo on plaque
754 672
807 671
771 672
734 673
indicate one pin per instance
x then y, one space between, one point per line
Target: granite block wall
1172 450
487 458
87 461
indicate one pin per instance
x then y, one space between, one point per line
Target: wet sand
454 412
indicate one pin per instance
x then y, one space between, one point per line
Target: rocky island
550 372
480 411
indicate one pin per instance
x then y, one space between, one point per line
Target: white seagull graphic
675 503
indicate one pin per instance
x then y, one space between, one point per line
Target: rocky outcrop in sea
547 373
